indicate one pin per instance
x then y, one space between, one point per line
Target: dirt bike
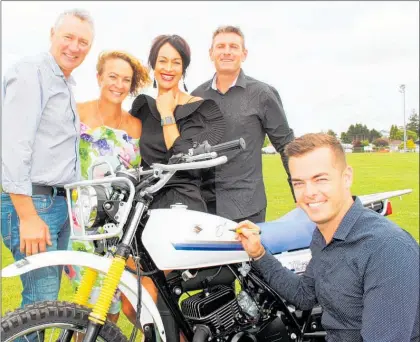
200 247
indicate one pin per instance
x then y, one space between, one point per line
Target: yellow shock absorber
112 279
88 280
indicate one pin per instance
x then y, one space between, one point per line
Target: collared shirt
40 126
251 110
366 280
214 84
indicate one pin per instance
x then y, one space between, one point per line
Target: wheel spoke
60 317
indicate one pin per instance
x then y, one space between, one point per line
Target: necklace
102 121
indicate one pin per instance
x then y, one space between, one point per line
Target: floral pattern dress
94 143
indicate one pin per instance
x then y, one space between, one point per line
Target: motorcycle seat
292 231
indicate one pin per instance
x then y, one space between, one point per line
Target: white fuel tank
179 238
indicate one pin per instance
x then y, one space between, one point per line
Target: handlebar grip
229 146
205 147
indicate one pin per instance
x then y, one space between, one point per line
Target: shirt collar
349 220
239 81
345 226
57 70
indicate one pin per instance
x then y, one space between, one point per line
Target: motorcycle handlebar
220 148
191 166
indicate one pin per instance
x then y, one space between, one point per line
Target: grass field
373 173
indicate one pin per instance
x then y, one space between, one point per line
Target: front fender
128 283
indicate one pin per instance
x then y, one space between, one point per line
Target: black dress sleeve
197 122
140 107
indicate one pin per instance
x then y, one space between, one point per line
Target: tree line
360 135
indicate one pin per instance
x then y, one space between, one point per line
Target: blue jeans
44 283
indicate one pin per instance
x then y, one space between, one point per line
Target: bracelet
167 120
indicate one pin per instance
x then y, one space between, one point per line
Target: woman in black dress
174 121
171 124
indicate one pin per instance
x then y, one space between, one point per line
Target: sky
333 63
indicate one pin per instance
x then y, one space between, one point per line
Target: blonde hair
141 76
312 141
229 29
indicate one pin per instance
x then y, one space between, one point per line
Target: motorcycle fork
97 317
83 292
82 296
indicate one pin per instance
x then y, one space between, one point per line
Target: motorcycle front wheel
46 321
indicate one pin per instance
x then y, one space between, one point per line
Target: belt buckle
60 191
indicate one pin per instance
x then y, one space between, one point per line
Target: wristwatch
167 120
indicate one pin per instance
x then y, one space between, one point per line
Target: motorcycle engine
216 309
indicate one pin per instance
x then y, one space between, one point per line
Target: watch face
167 120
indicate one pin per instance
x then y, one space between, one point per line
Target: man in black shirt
251 109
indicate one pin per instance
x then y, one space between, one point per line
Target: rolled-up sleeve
276 126
275 121
391 293
21 114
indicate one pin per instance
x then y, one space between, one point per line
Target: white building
368 148
347 147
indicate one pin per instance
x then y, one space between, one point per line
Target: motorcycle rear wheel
35 318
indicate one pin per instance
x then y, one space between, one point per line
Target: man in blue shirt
364 270
40 130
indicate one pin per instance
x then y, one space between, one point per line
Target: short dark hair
229 29
177 42
311 141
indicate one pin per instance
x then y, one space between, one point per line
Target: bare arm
166 104
23 205
132 125
34 232
170 133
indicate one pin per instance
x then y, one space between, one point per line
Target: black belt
48 190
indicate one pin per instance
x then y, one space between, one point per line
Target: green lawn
373 173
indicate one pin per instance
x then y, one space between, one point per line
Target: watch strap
167 120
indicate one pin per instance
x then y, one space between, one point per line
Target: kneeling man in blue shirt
364 270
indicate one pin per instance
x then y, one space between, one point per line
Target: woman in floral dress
108 130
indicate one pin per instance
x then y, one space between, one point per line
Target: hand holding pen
239 230
248 234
